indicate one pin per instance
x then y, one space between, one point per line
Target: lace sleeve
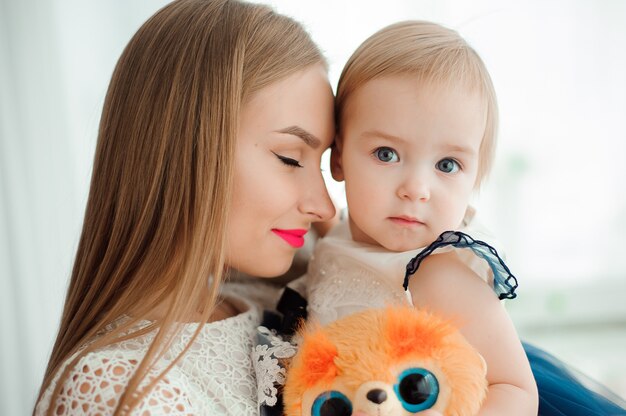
97 382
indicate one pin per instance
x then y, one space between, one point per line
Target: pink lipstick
295 238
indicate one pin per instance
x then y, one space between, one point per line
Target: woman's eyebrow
298 131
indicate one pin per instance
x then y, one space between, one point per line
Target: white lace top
215 376
345 276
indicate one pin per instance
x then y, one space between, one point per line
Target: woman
207 161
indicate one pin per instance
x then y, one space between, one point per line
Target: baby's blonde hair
434 54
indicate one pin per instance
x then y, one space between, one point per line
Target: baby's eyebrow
306 137
460 149
380 134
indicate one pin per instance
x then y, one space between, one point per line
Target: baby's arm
446 285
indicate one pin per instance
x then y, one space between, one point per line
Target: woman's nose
317 202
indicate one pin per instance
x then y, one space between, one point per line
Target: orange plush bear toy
385 362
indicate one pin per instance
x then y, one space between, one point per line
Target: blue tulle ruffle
504 283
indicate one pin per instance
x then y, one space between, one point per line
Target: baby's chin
401 245
393 239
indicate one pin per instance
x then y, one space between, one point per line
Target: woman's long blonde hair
154 226
432 53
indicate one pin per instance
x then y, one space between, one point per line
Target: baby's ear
335 160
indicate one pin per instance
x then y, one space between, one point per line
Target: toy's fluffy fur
374 346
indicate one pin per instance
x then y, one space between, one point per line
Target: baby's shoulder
461 256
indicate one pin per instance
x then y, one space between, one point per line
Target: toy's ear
317 358
314 363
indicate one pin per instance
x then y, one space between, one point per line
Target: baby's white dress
345 276
215 377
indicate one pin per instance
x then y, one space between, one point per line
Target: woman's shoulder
96 380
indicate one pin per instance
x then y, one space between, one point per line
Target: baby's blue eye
331 403
448 166
386 154
417 389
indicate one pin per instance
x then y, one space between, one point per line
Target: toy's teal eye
417 389
331 403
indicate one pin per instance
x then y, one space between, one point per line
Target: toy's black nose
376 396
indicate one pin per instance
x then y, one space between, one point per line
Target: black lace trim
504 282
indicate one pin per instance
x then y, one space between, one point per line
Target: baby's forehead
436 83
407 91
410 115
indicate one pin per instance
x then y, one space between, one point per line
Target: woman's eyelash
288 161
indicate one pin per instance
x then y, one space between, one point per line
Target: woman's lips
295 238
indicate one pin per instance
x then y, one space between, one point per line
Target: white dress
345 276
215 377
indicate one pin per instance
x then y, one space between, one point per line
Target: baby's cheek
460 214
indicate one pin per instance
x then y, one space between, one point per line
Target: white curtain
37 191
556 198
55 61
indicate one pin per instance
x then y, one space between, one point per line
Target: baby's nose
415 188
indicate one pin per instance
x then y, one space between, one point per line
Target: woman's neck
224 308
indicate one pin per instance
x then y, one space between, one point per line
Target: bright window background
556 198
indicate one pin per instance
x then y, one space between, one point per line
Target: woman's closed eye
386 154
288 161
448 165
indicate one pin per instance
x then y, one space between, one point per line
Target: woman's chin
264 268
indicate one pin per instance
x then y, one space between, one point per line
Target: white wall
556 197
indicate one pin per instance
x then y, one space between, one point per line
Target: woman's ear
335 161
